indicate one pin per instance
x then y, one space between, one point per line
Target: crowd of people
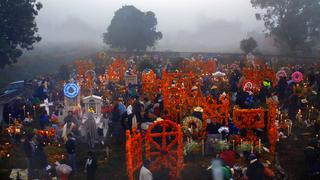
133 109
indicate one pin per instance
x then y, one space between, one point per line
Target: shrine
92 103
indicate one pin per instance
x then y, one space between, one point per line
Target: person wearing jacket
28 149
71 150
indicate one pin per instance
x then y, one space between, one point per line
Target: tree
132 29
18 29
294 24
248 45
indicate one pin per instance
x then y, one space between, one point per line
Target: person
293 106
71 150
40 157
91 130
311 157
281 89
91 166
116 122
68 128
29 153
219 170
145 173
255 168
129 115
70 118
137 109
44 120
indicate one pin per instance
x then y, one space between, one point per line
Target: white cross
46 104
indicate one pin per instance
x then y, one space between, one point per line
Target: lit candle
9 119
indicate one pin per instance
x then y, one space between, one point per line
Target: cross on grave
46 104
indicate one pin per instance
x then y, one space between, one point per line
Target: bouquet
191 147
220 146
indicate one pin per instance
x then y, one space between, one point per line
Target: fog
187 25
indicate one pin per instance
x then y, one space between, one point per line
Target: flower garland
188 130
248 118
297 76
281 73
133 152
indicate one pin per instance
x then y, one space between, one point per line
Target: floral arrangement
187 126
5 150
248 118
50 133
281 73
221 146
297 76
133 152
190 147
243 147
54 119
91 110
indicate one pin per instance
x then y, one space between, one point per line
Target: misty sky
187 25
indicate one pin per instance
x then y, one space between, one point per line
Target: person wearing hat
197 112
145 173
255 169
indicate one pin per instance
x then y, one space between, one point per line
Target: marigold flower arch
164 148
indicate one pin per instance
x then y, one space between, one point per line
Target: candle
34 111
259 145
232 144
241 142
24 110
202 142
251 147
108 151
9 119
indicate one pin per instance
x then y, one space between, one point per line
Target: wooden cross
46 104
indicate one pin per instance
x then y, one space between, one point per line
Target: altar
92 103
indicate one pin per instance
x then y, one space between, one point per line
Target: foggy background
187 25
